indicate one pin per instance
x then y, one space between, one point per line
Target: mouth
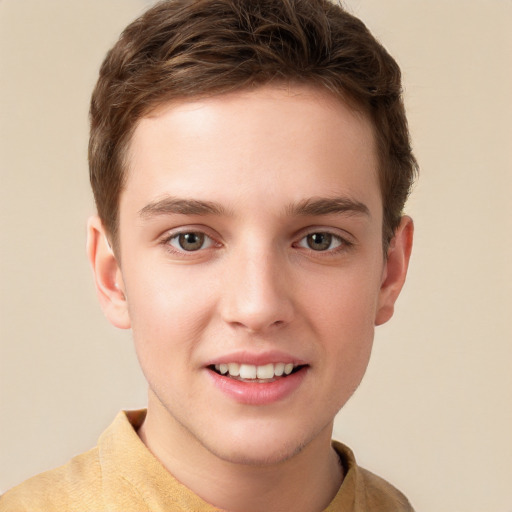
256 373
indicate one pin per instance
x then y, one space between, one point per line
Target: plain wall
434 413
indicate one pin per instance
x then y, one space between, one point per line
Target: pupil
319 241
191 241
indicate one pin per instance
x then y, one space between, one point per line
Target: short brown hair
188 48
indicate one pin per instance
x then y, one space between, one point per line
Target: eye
190 241
321 241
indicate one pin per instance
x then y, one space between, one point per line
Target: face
252 271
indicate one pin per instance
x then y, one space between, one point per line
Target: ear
107 275
395 270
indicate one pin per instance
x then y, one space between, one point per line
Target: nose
257 292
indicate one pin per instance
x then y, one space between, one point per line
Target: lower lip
258 393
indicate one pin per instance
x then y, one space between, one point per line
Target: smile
255 373
258 384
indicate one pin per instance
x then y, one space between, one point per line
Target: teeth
279 369
234 369
247 371
265 372
288 368
253 372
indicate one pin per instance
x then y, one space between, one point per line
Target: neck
305 482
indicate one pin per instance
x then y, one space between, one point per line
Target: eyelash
343 243
166 241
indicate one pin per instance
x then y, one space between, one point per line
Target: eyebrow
328 205
173 205
306 207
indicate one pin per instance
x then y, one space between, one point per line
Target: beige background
434 414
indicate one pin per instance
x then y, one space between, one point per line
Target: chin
261 446
263 456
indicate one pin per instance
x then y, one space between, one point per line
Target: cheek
344 302
342 314
167 314
348 346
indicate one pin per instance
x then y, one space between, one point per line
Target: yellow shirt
121 475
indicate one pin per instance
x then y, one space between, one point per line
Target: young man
250 161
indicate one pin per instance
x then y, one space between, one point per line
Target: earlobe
395 270
107 275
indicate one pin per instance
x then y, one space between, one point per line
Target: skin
254 287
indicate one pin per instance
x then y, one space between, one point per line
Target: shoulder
110 476
369 492
75 486
381 495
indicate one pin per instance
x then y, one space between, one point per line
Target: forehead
287 143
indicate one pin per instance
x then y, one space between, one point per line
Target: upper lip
256 359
